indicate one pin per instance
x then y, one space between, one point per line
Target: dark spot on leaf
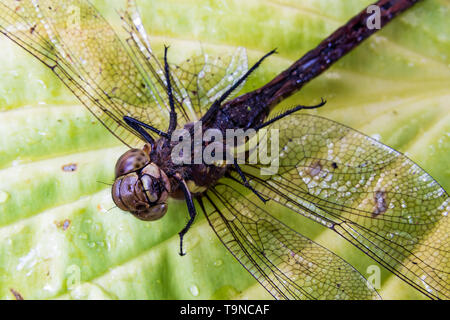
63 224
66 224
334 165
69 167
16 294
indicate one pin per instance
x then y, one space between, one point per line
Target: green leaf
60 235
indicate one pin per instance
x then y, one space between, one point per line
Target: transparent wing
82 49
284 262
198 81
368 193
139 45
205 78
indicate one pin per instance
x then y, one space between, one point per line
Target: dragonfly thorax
141 187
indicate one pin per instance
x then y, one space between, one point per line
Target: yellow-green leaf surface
60 235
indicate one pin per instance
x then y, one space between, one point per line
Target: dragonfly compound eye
144 194
132 160
153 213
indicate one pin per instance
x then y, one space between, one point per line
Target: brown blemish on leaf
69 167
99 207
380 203
66 224
16 294
63 224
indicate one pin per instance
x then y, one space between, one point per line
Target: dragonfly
364 191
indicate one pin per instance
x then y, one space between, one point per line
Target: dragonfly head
141 187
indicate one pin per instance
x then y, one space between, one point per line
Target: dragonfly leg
284 114
216 105
133 123
173 113
139 127
191 209
246 183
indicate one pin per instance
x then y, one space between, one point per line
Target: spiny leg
291 111
173 113
284 114
216 105
139 127
191 209
246 183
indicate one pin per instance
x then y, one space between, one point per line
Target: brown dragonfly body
364 191
244 112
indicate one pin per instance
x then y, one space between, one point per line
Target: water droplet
376 136
4 196
28 261
194 290
83 236
16 162
193 241
97 227
218 263
91 244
